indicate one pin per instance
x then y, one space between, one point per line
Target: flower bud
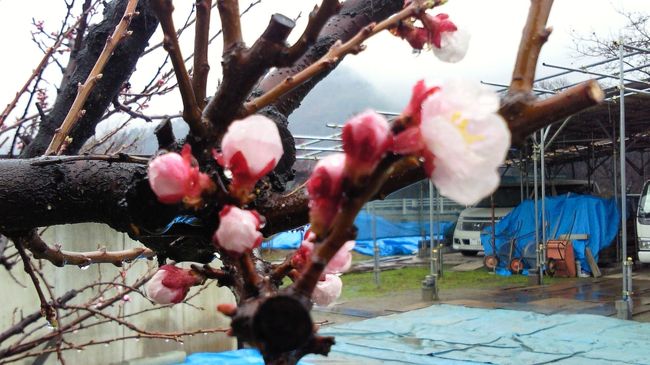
171 284
366 138
325 187
327 291
251 148
238 230
175 177
448 42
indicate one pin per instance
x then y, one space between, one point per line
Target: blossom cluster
250 149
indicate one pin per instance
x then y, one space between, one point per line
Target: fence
200 314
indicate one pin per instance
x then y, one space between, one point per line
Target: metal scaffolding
626 86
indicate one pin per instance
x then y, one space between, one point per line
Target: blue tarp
576 214
449 334
393 238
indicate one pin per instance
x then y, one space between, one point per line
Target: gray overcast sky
388 62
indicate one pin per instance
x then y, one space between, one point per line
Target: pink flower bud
449 43
175 177
419 94
366 138
326 180
238 230
171 284
340 263
327 291
251 148
342 260
324 188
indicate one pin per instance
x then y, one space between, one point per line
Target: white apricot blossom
468 139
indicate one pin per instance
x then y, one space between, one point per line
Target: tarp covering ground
393 238
448 334
595 217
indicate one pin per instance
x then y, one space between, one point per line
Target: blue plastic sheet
393 238
449 334
239 357
598 218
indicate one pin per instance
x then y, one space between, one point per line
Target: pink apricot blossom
176 177
366 138
325 186
327 291
170 284
251 148
238 230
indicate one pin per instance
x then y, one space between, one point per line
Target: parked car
472 220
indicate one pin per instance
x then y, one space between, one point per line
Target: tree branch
201 39
534 35
76 111
335 54
47 310
58 257
317 20
230 24
118 69
191 110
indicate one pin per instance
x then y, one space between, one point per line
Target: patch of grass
279 255
356 285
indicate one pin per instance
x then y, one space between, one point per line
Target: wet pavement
570 296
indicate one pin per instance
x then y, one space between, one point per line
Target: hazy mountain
342 94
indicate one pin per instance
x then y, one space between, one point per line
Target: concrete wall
181 317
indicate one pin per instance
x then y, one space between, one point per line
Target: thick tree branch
520 108
526 116
230 24
317 20
201 40
534 35
335 54
191 110
76 111
118 69
352 17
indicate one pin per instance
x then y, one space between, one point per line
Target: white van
643 224
472 220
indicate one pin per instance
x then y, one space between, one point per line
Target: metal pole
371 205
627 281
438 240
543 134
535 187
433 271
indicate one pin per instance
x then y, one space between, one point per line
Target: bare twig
41 65
333 56
47 310
119 157
76 110
58 257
